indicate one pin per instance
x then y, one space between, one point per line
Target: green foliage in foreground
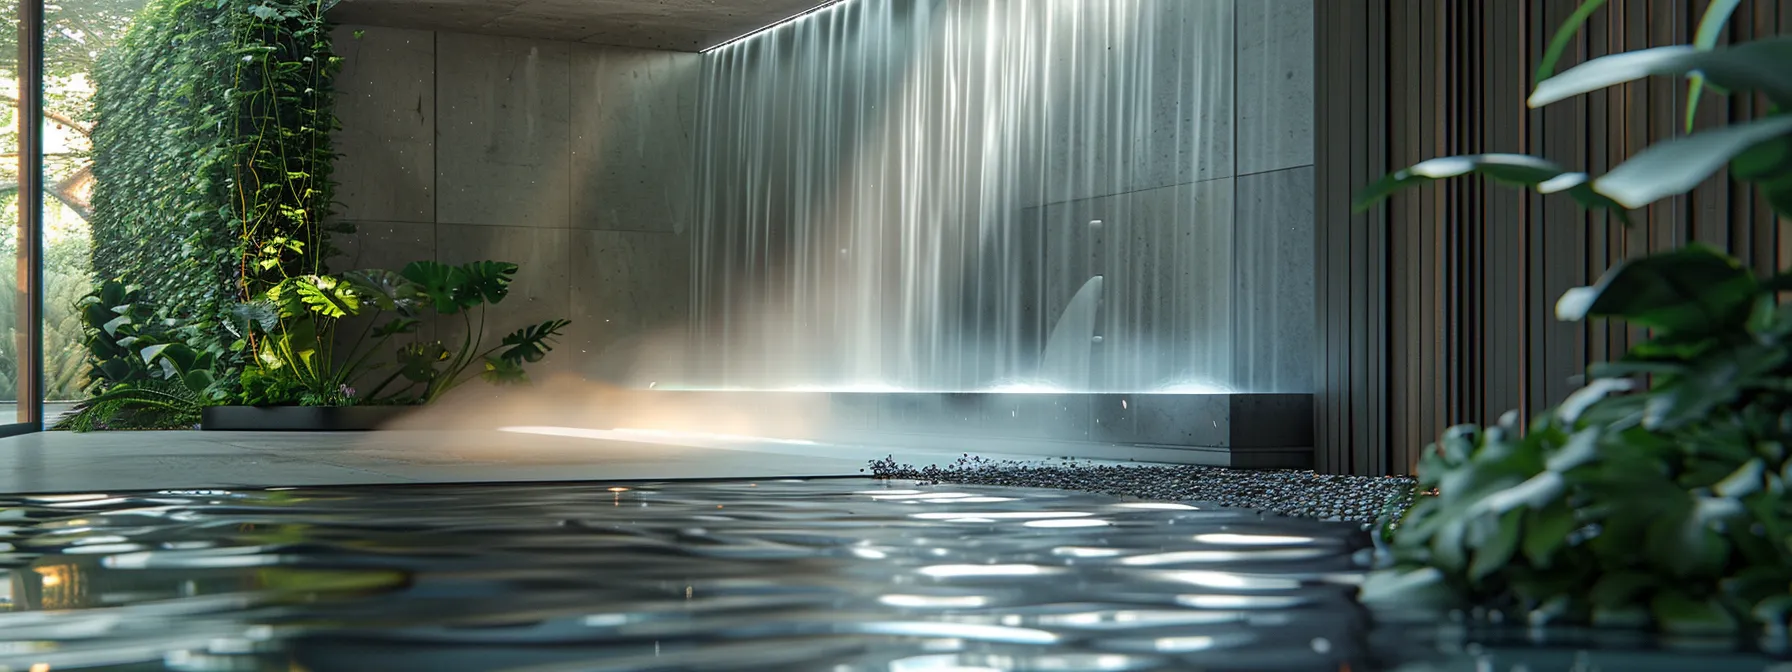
147 371
212 154
152 373
300 358
1657 494
1630 503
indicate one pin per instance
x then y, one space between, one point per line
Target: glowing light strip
830 4
1183 388
649 435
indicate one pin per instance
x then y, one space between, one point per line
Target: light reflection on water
822 575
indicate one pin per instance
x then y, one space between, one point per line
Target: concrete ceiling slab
679 25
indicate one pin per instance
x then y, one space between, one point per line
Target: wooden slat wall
1437 307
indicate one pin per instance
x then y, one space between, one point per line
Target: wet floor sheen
837 575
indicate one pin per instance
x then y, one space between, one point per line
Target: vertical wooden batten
1437 307
28 303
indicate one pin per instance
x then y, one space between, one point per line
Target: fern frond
155 404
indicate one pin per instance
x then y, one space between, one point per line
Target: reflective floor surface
835 575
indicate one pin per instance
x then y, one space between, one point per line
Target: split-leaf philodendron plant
147 377
1657 495
292 330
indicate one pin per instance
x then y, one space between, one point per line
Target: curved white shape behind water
1069 352
908 193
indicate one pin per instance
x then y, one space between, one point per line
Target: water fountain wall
908 194
891 194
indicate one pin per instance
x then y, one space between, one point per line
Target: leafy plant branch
1660 494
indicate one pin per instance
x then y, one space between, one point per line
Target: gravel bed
1291 493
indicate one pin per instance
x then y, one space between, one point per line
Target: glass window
15 346
77 34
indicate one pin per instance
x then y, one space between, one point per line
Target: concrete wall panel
630 295
1275 85
1274 281
504 131
531 131
633 114
386 99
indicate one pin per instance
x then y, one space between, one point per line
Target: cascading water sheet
907 194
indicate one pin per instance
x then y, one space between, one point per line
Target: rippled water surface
837 575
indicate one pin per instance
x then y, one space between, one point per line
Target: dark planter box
298 418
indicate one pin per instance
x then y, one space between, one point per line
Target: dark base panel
298 418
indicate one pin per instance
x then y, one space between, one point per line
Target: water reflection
786 575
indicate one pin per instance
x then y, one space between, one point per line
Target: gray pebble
1305 494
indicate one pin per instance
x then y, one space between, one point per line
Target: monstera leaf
292 341
330 297
445 286
531 343
312 294
500 371
386 290
417 361
489 281
254 316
